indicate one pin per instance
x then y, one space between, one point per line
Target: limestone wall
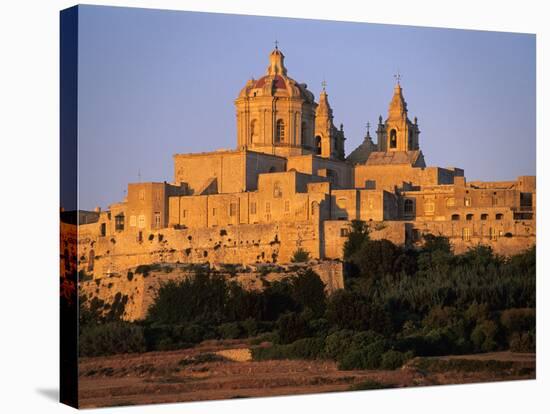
247 243
506 237
335 234
137 292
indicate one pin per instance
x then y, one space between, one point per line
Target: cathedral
289 185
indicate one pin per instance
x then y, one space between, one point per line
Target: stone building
288 185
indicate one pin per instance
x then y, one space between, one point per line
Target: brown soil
173 376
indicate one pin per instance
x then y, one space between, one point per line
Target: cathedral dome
276 82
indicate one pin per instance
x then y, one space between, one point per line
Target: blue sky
154 83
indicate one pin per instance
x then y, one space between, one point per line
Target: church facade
288 185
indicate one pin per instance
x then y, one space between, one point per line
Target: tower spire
276 62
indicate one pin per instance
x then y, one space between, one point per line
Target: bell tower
398 133
329 141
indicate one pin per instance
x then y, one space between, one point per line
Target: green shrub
250 327
111 338
352 310
523 342
300 256
484 336
394 359
230 330
518 320
169 337
272 337
143 269
308 348
360 357
201 299
291 326
337 343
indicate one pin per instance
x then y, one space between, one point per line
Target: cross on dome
397 77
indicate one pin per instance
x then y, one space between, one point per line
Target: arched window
484 216
455 217
318 144
304 133
393 138
91 258
408 207
280 131
469 216
254 131
499 216
410 139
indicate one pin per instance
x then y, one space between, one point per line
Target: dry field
223 370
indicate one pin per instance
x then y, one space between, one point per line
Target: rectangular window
525 201
344 232
233 209
157 220
466 234
467 201
253 208
268 207
103 229
141 221
119 222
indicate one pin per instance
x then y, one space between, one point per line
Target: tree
202 298
376 258
358 234
309 291
351 310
